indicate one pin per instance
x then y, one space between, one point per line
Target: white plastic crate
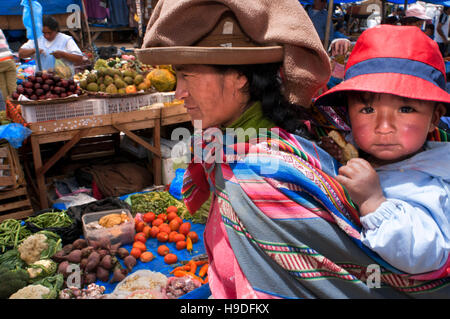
51 112
134 103
121 104
160 97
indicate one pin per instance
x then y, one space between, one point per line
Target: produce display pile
120 76
164 260
46 85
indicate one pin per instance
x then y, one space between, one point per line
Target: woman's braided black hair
264 85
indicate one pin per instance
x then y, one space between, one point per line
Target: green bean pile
12 233
51 219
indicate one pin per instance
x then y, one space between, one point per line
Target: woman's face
49 34
390 127
214 98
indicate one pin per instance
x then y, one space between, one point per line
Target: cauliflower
31 248
42 268
41 245
31 292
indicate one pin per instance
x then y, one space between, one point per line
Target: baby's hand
363 185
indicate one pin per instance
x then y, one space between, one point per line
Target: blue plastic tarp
158 264
13 7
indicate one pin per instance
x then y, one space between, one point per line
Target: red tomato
140 237
162 237
140 226
154 231
185 228
172 209
163 216
171 216
149 217
193 236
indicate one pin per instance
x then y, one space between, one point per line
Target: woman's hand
340 46
363 184
58 54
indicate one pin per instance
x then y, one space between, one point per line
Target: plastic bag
68 234
177 183
62 69
27 20
14 133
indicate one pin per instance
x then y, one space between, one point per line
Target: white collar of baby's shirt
434 160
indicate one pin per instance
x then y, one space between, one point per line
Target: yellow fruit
168 67
162 80
142 86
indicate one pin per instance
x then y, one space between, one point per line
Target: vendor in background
7 69
53 45
318 14
441 31
415 15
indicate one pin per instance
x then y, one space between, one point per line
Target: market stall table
74 129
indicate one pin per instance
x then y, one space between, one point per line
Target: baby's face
389 127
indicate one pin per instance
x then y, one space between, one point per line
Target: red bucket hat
399 60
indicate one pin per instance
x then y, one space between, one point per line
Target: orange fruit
130 89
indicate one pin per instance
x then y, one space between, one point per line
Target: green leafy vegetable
12 233
11 281
11 260
158 201
51 219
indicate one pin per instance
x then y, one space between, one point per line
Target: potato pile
97 260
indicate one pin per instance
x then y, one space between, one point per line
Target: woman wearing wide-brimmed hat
280 226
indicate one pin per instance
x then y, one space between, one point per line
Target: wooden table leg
155 148
40 177
157 158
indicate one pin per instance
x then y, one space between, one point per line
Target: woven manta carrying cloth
293 230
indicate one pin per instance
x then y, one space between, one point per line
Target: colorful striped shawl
293 230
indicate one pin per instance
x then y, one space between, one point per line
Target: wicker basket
51 101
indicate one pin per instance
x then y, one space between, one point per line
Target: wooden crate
11 173
15 204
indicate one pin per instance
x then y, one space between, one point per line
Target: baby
394 90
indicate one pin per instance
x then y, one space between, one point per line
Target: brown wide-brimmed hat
232 32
